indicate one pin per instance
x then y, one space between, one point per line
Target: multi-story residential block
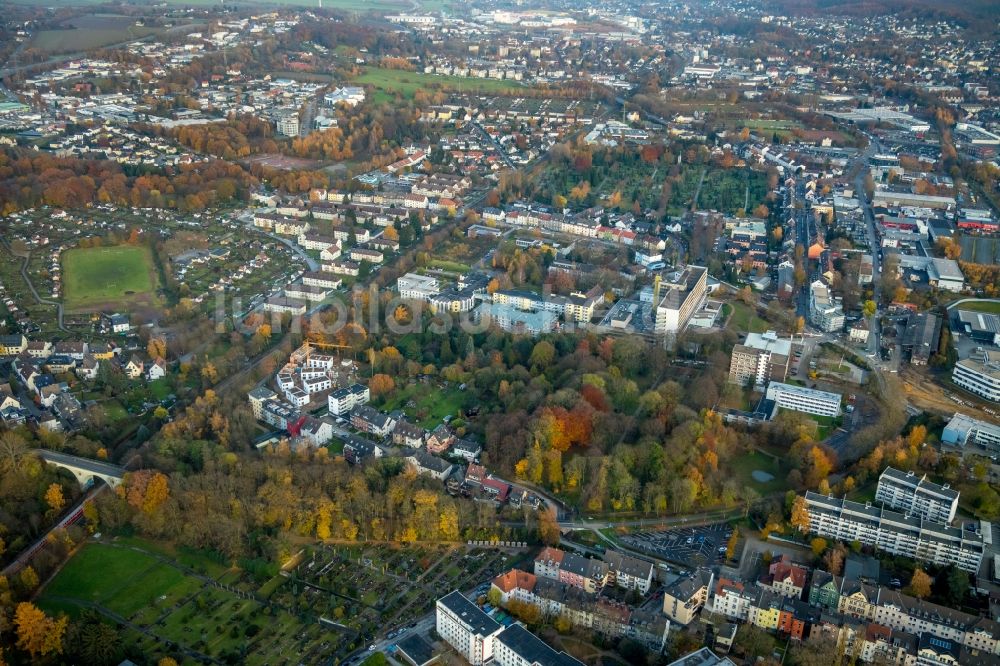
583 572
372 421
802 399
283 304
979 374
516 646
912 494
13 344
343 400
680 295
467 628
895 533
825 312
762 357
684 597
628 572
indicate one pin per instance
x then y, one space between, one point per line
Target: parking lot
690 546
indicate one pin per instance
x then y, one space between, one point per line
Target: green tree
869 309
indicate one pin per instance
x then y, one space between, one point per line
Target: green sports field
390 81
96 277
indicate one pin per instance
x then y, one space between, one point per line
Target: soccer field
107 276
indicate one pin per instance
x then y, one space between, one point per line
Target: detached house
135 367
430 465
157 370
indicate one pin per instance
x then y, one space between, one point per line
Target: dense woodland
29 179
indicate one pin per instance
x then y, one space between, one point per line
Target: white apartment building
897 533
417 287
912 494
802 399
979 374
467 628
825 313
344 400
288 124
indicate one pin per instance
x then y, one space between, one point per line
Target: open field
744 318
90 32
392 81
99 275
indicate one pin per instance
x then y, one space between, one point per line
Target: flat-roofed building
983 327
963 429
802 399
762 357
466 628
825 312
909 493
681 295
896 533
979 374
417 287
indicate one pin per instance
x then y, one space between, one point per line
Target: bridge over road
84 469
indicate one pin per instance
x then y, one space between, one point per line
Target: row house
342 267
785 578
313 240
368 254
324 279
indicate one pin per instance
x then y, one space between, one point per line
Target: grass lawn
432 404
391 81
744 466
160 388
120 578
980 306
445 265
98 277
744 318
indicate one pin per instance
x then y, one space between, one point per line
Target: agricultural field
390 82
83 33
105 277
172 600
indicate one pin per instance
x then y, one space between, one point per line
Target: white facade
895 533
801 399
909 493
417 287
466 628
979 374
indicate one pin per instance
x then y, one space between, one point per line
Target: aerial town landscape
514 332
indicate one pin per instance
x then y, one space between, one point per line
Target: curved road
31 286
